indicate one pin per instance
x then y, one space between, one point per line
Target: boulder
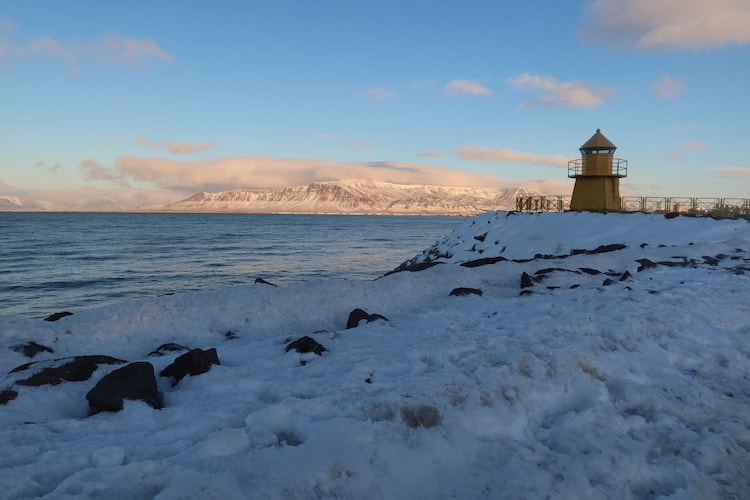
460 291
526 280
165 348
358 315
306 344
7 395
193 362
58 315
261 281
54 372
135 381
31 349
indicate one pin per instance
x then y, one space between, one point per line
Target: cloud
429 154
467 87
674 156
694 145
479 153
560 94
666 88
379 94
737 173
669 24
175 148
83 199
112 48
51 168
94 171
6 24
363 144
266 173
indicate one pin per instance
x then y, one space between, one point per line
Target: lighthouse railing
618 168
721 207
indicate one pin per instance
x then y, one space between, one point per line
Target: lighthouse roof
598 141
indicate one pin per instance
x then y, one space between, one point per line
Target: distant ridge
353 197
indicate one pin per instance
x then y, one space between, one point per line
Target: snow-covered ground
567 388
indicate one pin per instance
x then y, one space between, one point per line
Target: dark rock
53 372
57 315
589 270
357 315
710 260
644 245
574 286
608 282
607 248
31 349
230 335
525 293
526 280
7 395
645 264
457 292
480 237
553 269
671 215
421 416
135 381
194 362
626 276
306 344
264 282
165 348
413 268
483 262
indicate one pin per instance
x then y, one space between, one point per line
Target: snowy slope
354 196
568 388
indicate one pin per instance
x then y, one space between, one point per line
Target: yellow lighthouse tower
597 174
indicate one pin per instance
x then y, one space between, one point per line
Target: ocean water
53 262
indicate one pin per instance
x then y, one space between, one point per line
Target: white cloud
669 24
348 141
560 94
479 153
112 48
175 148
45 166
467 87
264 173
6 24
95 171
737 173
667 88
694 145
379 94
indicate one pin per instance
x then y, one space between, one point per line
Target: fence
724 207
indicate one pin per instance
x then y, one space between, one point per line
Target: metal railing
723 207
618 168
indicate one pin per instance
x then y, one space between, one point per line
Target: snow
638 389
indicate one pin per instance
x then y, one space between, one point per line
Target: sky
146 102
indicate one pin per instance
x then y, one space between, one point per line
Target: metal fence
724 207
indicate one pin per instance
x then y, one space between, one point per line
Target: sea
53 262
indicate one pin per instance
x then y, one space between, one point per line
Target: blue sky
139 102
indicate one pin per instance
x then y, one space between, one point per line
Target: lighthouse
597 174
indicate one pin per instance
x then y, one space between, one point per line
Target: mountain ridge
353 196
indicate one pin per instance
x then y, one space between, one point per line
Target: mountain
353 197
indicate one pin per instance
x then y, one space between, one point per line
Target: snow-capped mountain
354 197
